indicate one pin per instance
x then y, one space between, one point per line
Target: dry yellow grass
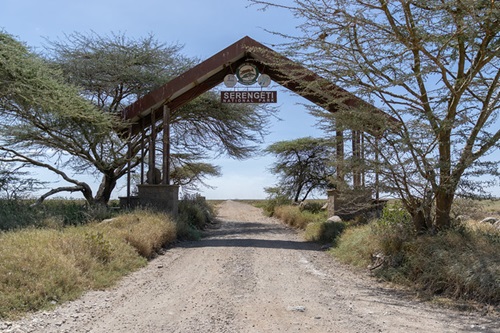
292 216
146 231
42 267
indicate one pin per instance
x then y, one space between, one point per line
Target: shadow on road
243 234
251 243
244 228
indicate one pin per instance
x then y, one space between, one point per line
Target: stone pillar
331 202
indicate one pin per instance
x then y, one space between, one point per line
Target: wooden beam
166 145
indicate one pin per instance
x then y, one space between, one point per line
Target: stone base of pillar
129 202
350 203
331 202
160 197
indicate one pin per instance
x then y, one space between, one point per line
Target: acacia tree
303 166
41 113
432 65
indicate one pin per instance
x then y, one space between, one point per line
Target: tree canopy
41 113
434 66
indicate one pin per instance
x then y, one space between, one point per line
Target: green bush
15 214
393 229
194 214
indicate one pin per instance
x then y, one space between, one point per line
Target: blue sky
204 28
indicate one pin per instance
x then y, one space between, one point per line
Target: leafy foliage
15 184
114 70
206 125
42 116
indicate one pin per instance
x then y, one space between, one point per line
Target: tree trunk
307 193
420 211
297 193
444 200
106 187
419 222
445 191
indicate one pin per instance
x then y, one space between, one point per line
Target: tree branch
57 190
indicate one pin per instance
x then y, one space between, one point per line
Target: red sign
249 96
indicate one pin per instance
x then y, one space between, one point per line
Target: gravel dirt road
250 274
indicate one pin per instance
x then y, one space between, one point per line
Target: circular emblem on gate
264 80
247 74
230 80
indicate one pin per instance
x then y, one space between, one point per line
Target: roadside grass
294 217
492 206
146 231
44 267
194 214
460 264
312 220
17 214
356 246
324 231
53 262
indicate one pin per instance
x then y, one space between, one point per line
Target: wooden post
129 162
152 146
166 145
340 155
362 157
356 174
143 135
